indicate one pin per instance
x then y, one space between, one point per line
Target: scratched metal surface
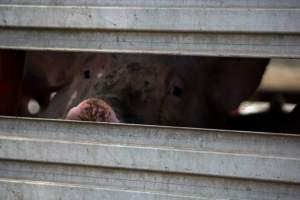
164 3
118 161
235 28
44 159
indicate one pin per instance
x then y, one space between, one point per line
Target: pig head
162 90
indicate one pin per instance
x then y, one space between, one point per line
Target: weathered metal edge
209 44
164 3
249 20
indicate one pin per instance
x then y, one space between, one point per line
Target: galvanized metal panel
31 190
15 175
265 144
49 159
149 158
138 155
247 45
165 3
218 28
240 20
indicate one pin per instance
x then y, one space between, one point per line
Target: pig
168 90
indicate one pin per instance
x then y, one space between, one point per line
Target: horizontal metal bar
142 181
241 20
165 3
158 159
273 145
50 159
22 189
19 141
216 28
247 45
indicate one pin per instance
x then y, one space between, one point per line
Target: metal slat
144 181
160 159
165 3
50 156
242 20
279 145
16 189
234 28
255 45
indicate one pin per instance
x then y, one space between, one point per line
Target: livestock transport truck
56 159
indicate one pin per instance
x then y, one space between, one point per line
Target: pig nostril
146 83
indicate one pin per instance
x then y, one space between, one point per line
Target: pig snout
93 110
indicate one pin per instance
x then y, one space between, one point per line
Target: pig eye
176 87
176 91
87 74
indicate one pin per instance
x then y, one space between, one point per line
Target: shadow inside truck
252 94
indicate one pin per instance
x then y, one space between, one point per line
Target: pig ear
236 79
